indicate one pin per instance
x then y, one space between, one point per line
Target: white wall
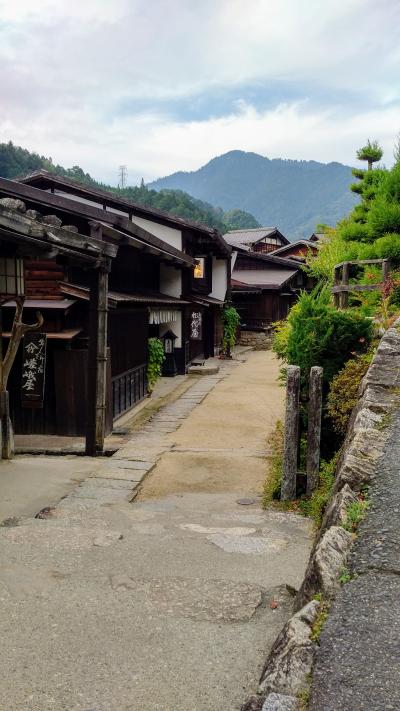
175 327
219 278
168 234
170 281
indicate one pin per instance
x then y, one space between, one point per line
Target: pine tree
371 152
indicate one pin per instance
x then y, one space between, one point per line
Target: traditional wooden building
197 326
23 239
264 287
261 240
298 250
264 284
165 275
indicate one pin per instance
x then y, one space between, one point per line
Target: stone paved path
163 604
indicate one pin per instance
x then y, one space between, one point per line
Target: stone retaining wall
259 340
291 661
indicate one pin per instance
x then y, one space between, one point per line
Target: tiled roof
288 247
244 237
267 278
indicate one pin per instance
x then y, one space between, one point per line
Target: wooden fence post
336 282
344 295
291 442
314 428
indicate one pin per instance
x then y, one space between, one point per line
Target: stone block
280 702
292 656
325 565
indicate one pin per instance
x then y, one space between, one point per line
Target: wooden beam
348 288
97 359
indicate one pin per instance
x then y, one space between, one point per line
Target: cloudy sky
165 85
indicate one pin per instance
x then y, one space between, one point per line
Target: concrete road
169 603
28 483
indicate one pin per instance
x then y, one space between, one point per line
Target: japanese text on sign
33 369
196 326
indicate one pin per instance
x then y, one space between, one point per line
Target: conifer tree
371 152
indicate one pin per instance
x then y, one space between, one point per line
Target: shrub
280 338
321 335
343 391
388 247
156 357
230 322
316 504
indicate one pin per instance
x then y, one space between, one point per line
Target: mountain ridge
293 195
15 162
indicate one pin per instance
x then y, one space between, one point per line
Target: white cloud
67 67
152 146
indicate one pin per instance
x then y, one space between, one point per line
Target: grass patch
320 620
385 421
304 699
272 485
345 576
314 506
355 513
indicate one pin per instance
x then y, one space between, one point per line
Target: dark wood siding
128 334
42 279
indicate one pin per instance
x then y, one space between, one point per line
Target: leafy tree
239 219
371 152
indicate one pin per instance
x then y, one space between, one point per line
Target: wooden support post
344 295
97 359
314 428
385 270
291 443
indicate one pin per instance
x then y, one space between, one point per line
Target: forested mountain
16 162
292 195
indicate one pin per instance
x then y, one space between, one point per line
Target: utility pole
123 174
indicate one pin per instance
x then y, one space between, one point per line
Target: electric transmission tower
123 173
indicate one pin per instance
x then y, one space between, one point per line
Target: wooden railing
128 389
341 278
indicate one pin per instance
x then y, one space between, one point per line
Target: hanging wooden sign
33 369
196 326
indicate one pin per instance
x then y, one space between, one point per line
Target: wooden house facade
165 275
264 284
264 288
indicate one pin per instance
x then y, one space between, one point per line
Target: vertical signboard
33 369
196 326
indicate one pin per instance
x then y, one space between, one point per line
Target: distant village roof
240 238
316 236
263 278
281 251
